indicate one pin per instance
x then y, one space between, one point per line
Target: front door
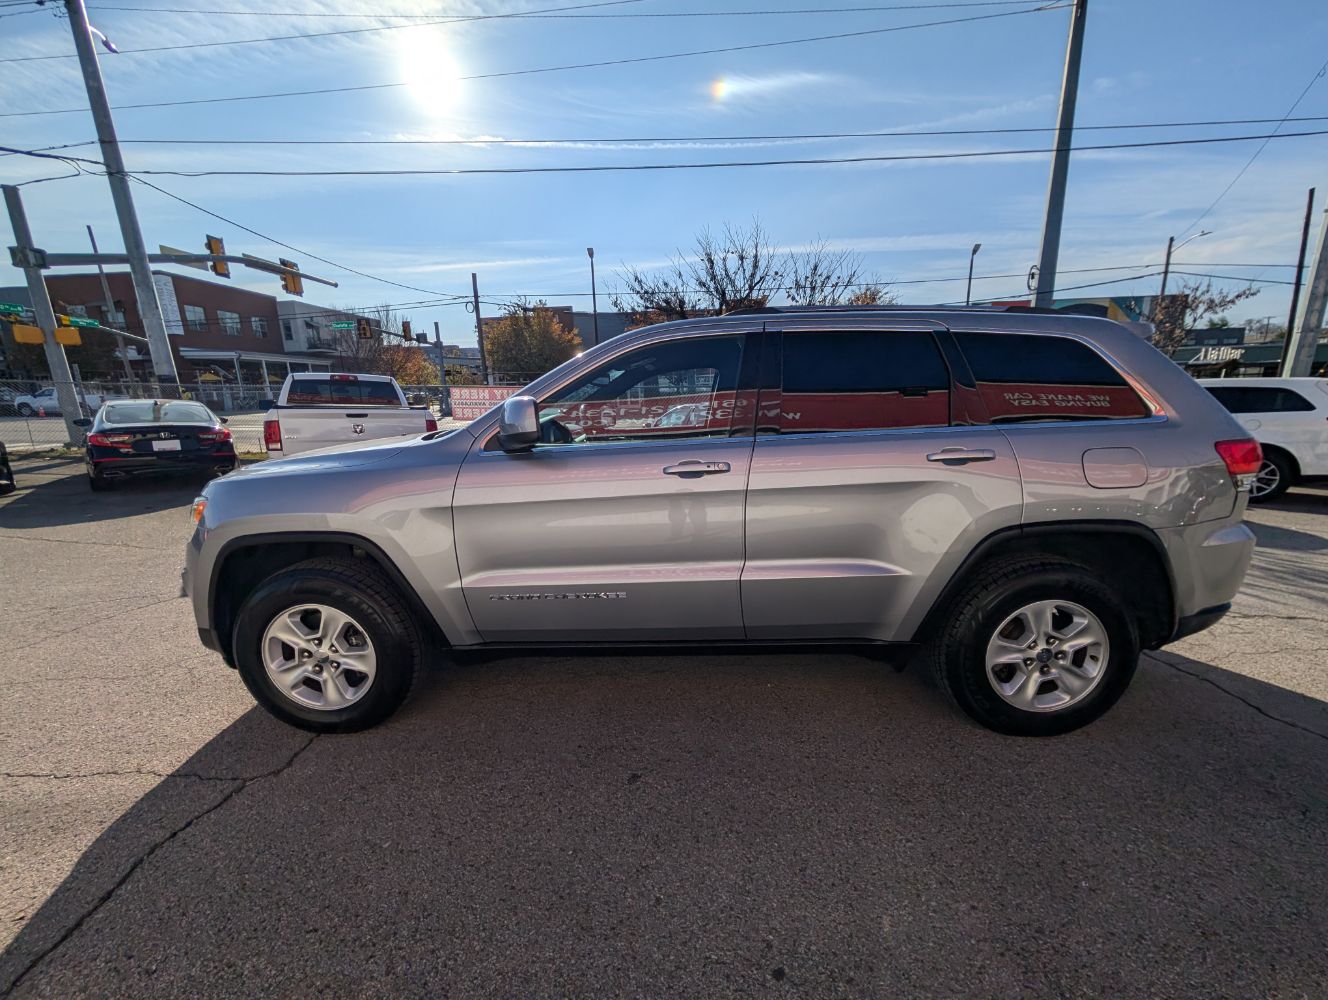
626 522
871 476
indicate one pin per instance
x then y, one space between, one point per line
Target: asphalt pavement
666 825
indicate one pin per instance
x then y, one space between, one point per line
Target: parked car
6 472
46 402
1030 498
1289 418
152 437
8 408
321 409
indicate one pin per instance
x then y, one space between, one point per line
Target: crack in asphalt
59 776
24 537
72 929
1240 698
96 621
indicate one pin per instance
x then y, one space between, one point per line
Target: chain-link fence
31 417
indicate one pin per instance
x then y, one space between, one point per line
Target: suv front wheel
1036 647
327 645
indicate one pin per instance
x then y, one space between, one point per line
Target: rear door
872 475
1282 416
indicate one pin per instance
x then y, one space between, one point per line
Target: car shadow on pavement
49 494
703 825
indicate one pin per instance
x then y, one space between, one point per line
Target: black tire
98 484
24 410
1275 463
958 651
359 589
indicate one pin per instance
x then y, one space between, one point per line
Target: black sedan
146 437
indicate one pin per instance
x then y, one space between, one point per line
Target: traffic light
219 267
292 284
405 330
362 329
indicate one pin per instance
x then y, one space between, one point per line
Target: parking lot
679 825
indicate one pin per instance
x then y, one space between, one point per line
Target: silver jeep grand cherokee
1026 498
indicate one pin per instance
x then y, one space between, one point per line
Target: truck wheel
1035 647
327 645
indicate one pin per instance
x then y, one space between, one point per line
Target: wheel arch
1130 555
243 563
1287 454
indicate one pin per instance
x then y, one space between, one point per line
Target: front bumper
1200 620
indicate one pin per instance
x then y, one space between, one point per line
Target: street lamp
1172 246
594 301
968 295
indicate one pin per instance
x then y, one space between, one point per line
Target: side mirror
82 422
266 404
518 428
226 420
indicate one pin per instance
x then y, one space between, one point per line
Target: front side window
195 318
1035 378
682 388
861 380
230 322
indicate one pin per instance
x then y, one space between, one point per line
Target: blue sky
1145 61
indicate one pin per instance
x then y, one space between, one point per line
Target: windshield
156 412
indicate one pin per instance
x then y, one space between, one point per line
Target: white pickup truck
322 410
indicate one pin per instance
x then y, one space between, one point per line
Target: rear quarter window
1025 378
335 392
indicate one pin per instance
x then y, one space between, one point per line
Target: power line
629 167
701 13
626 61
1250 162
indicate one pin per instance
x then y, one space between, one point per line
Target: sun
431 73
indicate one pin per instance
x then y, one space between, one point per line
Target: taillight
1242 457
272 434
212 437
122 441
430 424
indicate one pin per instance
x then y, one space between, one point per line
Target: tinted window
860 381
341 392
1025 377
152 412
1260 399
684 388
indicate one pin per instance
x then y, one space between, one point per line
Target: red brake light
1243 457
220 434
344 378
430 424
272 434
110 440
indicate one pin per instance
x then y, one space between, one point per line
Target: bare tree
740 269
1195 302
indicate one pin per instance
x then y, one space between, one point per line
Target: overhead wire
599 64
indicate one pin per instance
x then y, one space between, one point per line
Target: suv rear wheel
327 645
1036 647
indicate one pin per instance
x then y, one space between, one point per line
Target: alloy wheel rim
1047 656
319 657
1266 479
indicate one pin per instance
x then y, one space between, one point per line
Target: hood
347 456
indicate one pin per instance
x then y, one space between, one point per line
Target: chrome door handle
960 456
696 468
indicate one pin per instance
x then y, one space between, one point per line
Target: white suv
1289 418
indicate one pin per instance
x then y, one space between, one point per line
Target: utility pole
110 311
594 302
56 361
1060 161
479 326
1304 341
149 308
1300 276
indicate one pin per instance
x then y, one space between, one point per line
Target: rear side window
341 392
1259 399
863 380
1033 378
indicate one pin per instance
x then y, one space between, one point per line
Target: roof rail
898 307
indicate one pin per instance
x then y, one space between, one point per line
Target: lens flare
719 89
